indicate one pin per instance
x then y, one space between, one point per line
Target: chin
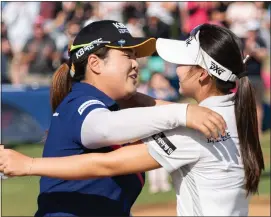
130 93
180 90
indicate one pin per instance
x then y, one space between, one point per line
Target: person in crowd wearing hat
86 119
210 176
39 55
255 47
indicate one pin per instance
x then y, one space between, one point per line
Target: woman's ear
204 75
94 63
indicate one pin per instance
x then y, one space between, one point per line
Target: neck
204 94
101 88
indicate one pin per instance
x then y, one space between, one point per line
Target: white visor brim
177 52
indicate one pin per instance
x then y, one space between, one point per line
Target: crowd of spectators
35 35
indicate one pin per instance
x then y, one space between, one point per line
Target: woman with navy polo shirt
87 119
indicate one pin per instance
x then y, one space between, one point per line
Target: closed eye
131 54
127 55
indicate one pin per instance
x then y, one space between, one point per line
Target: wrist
30 167
183 114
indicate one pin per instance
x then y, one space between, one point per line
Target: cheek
114 68
118 70
181 73
125 68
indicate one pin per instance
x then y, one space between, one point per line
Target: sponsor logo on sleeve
88 103
164 143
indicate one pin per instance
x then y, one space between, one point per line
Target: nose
135 64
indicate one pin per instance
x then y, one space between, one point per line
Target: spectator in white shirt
19 18
238 14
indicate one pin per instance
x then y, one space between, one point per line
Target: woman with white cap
210 176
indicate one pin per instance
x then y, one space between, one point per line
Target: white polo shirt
208 175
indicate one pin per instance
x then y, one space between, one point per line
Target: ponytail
61 85
226 48
247 126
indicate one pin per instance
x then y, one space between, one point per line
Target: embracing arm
132 124
104 127
129 125
122 161
170 149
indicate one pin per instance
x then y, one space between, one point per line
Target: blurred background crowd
35 37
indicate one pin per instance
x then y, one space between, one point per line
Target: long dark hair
62 79
225 47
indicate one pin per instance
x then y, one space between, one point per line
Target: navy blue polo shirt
101 196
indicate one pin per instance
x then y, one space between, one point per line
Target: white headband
213 67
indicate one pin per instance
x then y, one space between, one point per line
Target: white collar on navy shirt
220 101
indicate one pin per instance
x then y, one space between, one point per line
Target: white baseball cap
253 25
189 52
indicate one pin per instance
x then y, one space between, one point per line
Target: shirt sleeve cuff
182 112
162 161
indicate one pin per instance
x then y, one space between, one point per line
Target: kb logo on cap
121 27
89 47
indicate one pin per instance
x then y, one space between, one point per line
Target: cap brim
177 52
143 46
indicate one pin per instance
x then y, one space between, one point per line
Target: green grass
265 143
19 194
264 188
148 198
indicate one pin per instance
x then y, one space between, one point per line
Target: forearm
138 123
95 165
260 54
71 168
27 58
128 125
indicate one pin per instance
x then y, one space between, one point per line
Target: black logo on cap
188 41
216 68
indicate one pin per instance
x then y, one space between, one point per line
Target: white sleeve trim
88 103
102 127
161 160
